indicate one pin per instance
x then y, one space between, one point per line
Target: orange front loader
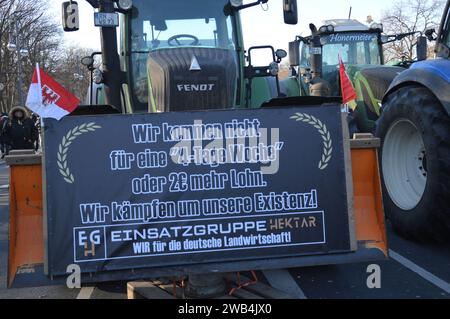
27 228
26 233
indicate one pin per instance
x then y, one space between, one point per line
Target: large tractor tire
415 163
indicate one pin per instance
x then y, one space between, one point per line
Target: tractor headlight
97 76
377 26
326 29
236 3
273 68
125 4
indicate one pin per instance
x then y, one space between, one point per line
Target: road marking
281 279
85 293
420 271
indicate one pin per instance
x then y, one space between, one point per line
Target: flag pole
38 72
344 107
41 119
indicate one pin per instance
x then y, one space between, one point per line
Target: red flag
348 91
48 98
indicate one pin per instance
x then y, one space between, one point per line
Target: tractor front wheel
415 162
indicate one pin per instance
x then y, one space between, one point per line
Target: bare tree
409 16
71 74
39 35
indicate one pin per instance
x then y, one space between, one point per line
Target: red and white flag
348 91
48 98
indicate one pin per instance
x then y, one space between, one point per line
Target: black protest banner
169 190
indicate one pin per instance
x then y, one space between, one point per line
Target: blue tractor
415 154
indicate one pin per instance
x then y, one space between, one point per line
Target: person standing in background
20 131
4 142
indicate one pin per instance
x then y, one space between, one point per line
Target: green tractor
183 55
315 65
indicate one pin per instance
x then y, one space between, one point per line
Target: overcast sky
260 27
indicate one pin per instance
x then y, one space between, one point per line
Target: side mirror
290 11
294 53
70 16
422 48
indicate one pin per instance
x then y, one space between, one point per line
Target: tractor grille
211 84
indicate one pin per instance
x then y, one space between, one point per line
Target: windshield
157 25
354 48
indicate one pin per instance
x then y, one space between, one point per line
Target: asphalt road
413 271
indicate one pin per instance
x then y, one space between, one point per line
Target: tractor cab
178 55
358 45
315 63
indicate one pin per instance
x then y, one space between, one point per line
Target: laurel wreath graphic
325 134
63 148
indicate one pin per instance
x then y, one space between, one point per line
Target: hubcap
404 164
